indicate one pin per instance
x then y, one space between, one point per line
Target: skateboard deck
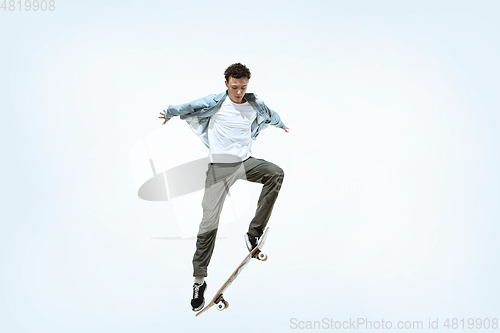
218 299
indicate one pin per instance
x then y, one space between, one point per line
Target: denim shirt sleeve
187 108
275 117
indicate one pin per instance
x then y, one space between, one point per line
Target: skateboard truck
260 255
221 303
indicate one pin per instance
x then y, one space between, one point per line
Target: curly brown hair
237 71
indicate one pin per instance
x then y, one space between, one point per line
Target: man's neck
242 101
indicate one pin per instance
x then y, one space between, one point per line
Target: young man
227 127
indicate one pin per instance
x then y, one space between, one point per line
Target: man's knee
281 172
278 172
275 174
273 169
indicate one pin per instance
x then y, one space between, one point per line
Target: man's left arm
275 117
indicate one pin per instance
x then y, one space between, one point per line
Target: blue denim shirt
198 112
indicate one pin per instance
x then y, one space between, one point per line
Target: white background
389 207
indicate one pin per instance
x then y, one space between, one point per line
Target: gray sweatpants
220 177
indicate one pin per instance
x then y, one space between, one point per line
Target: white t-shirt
229 132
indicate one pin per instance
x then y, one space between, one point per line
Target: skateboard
218 299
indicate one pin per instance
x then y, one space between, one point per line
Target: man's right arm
187 108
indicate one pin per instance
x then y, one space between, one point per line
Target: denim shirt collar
250 97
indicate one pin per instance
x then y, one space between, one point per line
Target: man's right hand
163 116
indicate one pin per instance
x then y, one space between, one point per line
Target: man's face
236 89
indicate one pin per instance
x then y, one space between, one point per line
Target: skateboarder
227 123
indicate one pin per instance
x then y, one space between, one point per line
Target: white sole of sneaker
247 242
200 307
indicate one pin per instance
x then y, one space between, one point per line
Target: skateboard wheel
262 256
221 306
226 304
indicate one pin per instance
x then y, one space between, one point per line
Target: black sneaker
251 242
198 300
